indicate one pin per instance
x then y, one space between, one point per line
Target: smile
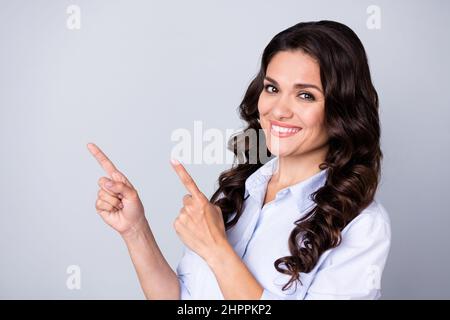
283 130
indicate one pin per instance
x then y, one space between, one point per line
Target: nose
282 108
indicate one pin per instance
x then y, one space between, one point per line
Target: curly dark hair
354 154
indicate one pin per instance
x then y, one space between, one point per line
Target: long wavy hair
354 154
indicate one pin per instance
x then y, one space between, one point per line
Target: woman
304 224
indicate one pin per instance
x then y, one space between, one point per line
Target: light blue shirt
350 271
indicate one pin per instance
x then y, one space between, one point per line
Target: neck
297 168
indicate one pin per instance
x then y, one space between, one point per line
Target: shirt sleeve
184 291
184 274
268 295
353 269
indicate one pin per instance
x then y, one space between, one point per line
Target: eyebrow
297 85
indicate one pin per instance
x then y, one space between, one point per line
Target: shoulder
371 225
365 243
354 268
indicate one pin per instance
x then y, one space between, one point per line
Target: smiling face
292 105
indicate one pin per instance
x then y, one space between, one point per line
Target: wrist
140 228
221 254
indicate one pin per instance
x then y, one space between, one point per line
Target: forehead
289 67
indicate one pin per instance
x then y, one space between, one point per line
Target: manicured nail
108 184
174 161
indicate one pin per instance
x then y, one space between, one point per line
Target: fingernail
174 161
121 205
108 184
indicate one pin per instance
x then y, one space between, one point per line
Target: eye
303 95
267 86
307 96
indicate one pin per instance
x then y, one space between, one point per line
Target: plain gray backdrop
138 70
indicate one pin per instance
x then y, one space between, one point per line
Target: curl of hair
354 154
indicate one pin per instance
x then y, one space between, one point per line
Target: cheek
264 111
314 118
314 121
263 106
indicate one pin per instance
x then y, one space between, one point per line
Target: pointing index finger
186 179
102 159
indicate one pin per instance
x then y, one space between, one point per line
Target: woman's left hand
200 224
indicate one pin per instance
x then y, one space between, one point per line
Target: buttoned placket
262 214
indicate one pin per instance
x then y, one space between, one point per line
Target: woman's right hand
119 204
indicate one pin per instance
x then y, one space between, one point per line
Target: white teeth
284 129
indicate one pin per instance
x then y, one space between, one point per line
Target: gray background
138 70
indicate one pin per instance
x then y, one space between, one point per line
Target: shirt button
281 193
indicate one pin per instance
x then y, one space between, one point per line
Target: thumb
122 188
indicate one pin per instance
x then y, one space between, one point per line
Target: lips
283 130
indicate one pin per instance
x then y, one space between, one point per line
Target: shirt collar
256 185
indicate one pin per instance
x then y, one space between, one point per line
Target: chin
281 151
